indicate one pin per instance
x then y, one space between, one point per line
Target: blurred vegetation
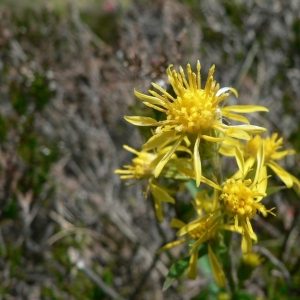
69 229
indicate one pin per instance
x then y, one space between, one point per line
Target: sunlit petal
167 156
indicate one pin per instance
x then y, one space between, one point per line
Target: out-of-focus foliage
68 228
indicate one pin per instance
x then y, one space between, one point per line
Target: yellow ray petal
176 223
211 183
232 131
141 121
252 129
296 184
244 108
260 159
171 245
155 107
158 209
167 156
193 265
197 161
240 159
225 90
158 139
282 154
216 268
262 182
159 193
181 167
235 117
285 176
246 243
149 99
212 139
190 226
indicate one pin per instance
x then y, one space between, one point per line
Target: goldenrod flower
193 114
143 168
242 196
201 230
272 145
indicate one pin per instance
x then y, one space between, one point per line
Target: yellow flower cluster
192 131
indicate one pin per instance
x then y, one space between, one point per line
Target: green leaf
175 271
274 189
192 188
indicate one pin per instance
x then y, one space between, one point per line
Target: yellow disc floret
194 109
142 165
201 229
240 200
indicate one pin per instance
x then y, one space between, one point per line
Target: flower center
201 229
193 111
270 145
239 199
142 167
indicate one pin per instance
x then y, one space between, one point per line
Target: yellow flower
242 197
272 145
193 114
143 168
201 230
252 260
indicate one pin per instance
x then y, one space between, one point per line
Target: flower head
143 168
193 114
242 197
273 153
202 230
272 146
